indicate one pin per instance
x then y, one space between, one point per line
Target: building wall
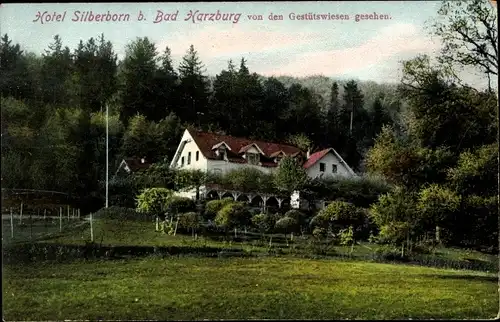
329 160
192 148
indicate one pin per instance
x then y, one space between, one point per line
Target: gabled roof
315 157
206 141
133 164
247 147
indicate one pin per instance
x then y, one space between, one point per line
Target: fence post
60 219
157 223
21 214
31 226
91 229
44 214
68 212
11 224
176 224
73 212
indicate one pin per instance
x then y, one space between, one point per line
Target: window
221 152
189 157
322 167
334 168
253 158
197 155
182 161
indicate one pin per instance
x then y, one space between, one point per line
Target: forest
431 136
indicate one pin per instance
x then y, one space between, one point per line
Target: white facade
188 155
330 165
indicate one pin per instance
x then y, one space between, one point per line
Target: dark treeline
53 126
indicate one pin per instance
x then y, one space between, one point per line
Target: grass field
284 287
32 230
140 233
265 288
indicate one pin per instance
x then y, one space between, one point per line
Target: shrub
189 221
343 213
153 200
177 205
287 225
262 222
299 216
214 206
233 215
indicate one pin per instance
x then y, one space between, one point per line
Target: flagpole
107 154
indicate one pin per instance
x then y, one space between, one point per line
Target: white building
221 153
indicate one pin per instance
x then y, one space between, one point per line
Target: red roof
315 157
206 141
136 164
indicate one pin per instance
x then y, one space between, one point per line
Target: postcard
250 160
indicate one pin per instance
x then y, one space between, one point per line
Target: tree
194 88
287 225
212 207
437 204
469 33
290 175
153 200
262 222
190 179
167 81
432 96
138 72
397 218
15 79
233 215
190 221
177 205
56 73
275 103
353 101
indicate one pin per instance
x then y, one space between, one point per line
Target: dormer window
253 158
221 152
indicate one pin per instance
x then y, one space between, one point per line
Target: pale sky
365 50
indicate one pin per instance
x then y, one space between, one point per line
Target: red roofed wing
206 141
315 157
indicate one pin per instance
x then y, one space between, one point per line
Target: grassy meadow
256 288
274 286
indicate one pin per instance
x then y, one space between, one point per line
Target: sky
343 49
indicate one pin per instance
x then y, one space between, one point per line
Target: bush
299 216
344 214
177 205
361 192
189 221
287 225
389 253
233 215
153 200
214 206
262 222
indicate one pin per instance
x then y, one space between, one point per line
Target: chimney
308 155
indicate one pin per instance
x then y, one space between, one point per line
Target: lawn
142 233
234 288
31 230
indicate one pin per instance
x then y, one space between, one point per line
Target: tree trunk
438 234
